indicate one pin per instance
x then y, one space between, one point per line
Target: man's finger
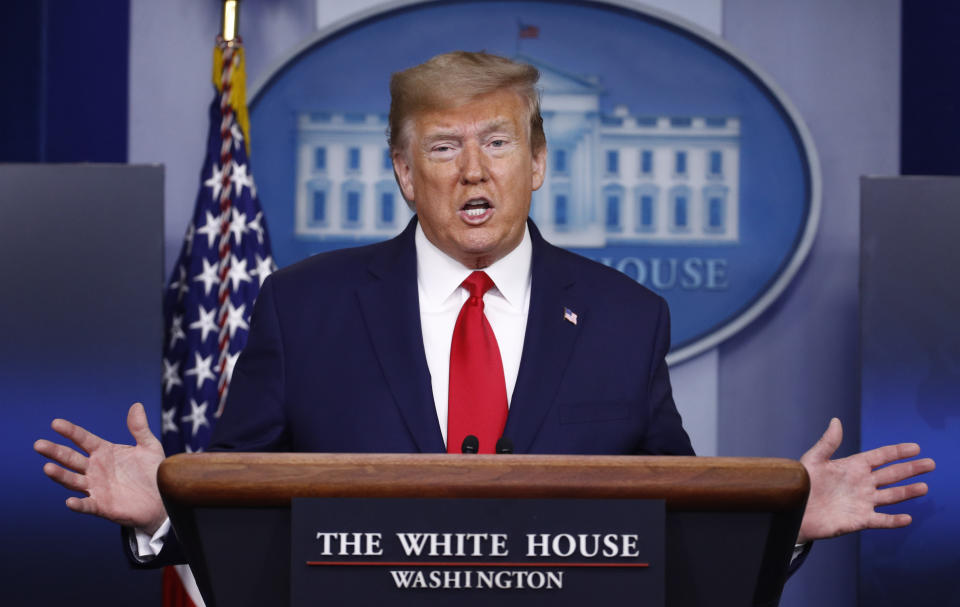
890 453
902 471
83 438
824 448
888 521
138 426
85 505
63 455
70 480
900 493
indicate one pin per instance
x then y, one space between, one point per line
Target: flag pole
223 262
229 24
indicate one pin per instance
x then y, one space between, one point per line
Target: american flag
223 262
526 30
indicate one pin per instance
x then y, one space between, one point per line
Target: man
376 348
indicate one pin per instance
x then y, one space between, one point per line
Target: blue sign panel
477 552
669 157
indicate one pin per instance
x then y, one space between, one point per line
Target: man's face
470 172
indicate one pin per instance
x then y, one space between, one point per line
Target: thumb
824 448
138 426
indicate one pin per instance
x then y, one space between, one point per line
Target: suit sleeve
253 418
665 434
170 554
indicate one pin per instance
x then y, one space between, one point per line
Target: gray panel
81 327
910 378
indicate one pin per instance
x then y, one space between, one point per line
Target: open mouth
476 210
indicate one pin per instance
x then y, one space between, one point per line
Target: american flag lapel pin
570 316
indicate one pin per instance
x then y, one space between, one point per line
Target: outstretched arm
844 492
120 480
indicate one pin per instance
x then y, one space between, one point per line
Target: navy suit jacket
335 361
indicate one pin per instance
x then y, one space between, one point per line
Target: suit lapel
391 310
548 342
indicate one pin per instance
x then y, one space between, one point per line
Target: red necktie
477 402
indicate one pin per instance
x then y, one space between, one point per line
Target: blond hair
452 79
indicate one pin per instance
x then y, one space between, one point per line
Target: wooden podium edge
685 483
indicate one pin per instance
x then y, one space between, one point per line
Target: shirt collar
439 275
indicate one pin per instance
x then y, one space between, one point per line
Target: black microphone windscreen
471 444
504 445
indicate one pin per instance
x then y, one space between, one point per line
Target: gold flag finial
230 14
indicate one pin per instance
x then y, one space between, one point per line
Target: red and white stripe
179 586
230 62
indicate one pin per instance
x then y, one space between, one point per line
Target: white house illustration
611 178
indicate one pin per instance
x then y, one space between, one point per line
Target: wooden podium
731 523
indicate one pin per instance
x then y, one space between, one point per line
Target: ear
403 171
539 167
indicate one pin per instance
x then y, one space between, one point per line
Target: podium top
685 483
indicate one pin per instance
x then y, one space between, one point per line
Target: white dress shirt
505 305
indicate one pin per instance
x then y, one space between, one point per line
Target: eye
443 150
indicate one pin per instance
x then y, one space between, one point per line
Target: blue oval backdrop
671 158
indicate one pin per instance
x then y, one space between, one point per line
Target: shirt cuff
151 545
797 551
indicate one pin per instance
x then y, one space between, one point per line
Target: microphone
471 444
504 445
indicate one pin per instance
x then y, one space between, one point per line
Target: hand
120 480
844 492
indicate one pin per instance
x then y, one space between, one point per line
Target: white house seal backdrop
670 159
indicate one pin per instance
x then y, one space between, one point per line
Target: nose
473 164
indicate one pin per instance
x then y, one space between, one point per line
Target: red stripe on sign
465 564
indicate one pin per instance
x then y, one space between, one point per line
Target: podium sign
477 552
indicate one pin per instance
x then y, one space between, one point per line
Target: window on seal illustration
318 196
560 162
715 211
613 203
646 163
320 159
715 214
646 213
715 164
645 217
386 204
387 208
561 206
561 211
612 162
353 159
680 207
680 163
320 206
352 204
387 160
680 219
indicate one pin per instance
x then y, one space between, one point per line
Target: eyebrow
498 124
